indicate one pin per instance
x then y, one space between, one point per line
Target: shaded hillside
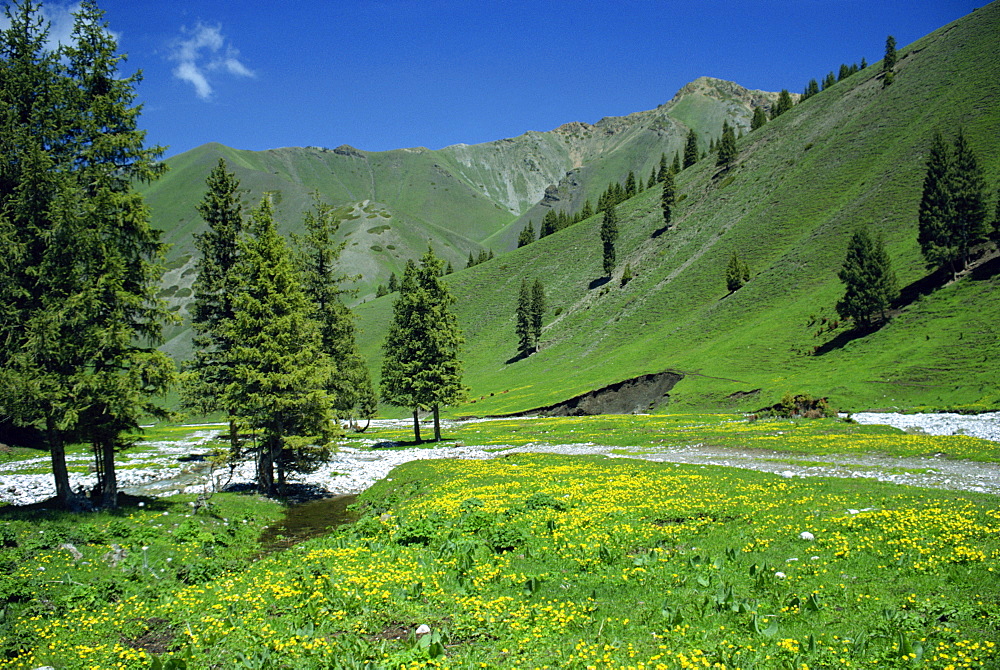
850 156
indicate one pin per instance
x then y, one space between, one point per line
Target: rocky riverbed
169 468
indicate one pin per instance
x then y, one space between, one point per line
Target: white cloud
203 53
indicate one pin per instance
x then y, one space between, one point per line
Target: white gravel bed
352 470
985 426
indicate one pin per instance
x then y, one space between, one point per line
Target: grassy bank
555 561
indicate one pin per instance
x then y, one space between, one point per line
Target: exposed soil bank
632 396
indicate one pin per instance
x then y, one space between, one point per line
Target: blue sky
398 73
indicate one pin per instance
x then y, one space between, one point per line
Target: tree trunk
57 452
437 424
109 492
416 424
234 436
265 468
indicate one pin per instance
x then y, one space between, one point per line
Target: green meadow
534 561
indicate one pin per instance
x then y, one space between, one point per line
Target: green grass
789 213
542 561
648 433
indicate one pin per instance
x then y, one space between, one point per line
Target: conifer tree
609 235
420 367
936 207
691 149
783 105
952 215
759 118
652 178
587 211
869 281
550 224
664 166
537 311
213 291
737 273
280 374
812 88
527 235
317 255
727 147
631 187
668 198
889 61
394 282
829 80
968 186
81 263
676 165
525 341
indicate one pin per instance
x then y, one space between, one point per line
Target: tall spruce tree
523 327
952 216
609 235
82 264
537 311
664 167
691 149
727 147
869 280
668 198
968 186
318 253
421 367
213 291
280 373
759 118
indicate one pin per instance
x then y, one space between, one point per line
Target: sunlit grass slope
849 157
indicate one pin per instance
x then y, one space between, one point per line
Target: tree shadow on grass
908 295
659 231
597 283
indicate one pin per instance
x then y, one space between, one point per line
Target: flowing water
308 520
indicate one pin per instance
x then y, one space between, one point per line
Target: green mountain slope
850 156
464 198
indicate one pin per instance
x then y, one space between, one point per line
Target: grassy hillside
463 197
851 156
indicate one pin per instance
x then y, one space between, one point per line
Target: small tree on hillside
759 118
869 281
691 149
609 235
889 61
668 198
727 147
737 273
783 105
527 235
